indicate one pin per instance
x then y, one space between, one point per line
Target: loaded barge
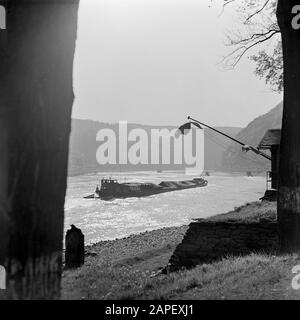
111 188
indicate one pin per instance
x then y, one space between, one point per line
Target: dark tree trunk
36 118
289 168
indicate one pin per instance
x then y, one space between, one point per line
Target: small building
271 142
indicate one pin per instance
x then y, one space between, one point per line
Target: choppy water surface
103 220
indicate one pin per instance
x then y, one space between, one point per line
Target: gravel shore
133 245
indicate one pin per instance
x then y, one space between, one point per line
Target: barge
111 189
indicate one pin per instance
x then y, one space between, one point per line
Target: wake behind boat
111 188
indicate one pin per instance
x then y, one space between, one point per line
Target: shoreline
253 210
116 262
216 172
136 243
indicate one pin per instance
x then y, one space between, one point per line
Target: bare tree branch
224 5
256 36
255 31
257 12
251 46
234 57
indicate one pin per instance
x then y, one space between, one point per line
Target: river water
106 220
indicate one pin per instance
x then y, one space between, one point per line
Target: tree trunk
41 39
289 168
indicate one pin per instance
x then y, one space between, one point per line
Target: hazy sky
155 62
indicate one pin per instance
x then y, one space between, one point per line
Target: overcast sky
155 62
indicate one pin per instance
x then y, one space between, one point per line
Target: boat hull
163 187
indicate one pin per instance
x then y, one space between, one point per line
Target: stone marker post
74 248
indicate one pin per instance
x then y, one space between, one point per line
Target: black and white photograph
149 153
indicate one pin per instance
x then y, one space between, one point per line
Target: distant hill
221 154
83 146
215 145
236 160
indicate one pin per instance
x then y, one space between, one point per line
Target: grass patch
251 277
250 212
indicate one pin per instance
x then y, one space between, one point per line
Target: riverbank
129 268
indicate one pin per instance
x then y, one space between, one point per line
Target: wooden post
74 256
289 167
35 116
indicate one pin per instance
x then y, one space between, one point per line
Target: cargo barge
111 188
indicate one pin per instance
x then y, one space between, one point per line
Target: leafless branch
239 52
255 36
224 5
257 12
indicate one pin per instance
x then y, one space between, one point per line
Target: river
107 220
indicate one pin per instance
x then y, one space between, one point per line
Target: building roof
271 138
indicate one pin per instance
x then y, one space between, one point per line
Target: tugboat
111 189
